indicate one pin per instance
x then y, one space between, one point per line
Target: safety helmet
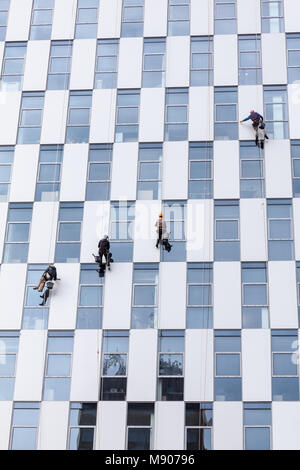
160 215
105 236
252 111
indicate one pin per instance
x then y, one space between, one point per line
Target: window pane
227 229
139 439
24 439
284 364
228 364
81 439
144 295
90 295
255 295
257 439
114 364
170 364
59 365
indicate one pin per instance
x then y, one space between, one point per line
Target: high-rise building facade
112 111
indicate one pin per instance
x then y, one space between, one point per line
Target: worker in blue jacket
256 119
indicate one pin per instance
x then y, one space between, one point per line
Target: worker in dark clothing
49 286
49 275
161 228
256 119
103 250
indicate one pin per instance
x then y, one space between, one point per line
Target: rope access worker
162 234
49 275
256 119
103 250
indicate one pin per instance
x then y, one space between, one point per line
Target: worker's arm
261 117
246 119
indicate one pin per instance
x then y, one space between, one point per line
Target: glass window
250 60
272 19
127 116
6 162
226 113
280 230
276 114
69 232
293 57
114 365
13 66
78 121
121 230
170 367
144 296
176 114
198 426
285 374
201 61
175 215
179 18
99 172
154 62
225 17
295 152
59 65
82 426
227 244
31 115
17 233
106 72
35 317
4 7
86 19
199 313
257 426
58 365
49 173
200 170
228 382
90 298
25 425
149 171
41 19
252 174
140 421
255 310
9 343
132 18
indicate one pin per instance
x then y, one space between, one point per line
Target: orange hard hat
252 111
160 215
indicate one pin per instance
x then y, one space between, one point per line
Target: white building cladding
112 111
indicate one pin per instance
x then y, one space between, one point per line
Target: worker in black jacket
49 275
103 249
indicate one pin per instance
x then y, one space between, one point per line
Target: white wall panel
142 366
109 19
227 295
36 66
169 425
175 170
248 16
225 60
12 286
5 420
155 18
199 230
296 209
282 294
86 366
117 297
30 365
172 296
74 168
278 169
18 23
63 300
83 64
102 127
291 15
53 425
152 115
145 236
228 425
250 97
256 365
64 19
178 61
199 372
3 217
124 171
24 173
112 437
294 109
286 425
254 235
2 44
95 224
274 71
202 17
9 116
201 116
226 170
130 62
43 232
54 116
